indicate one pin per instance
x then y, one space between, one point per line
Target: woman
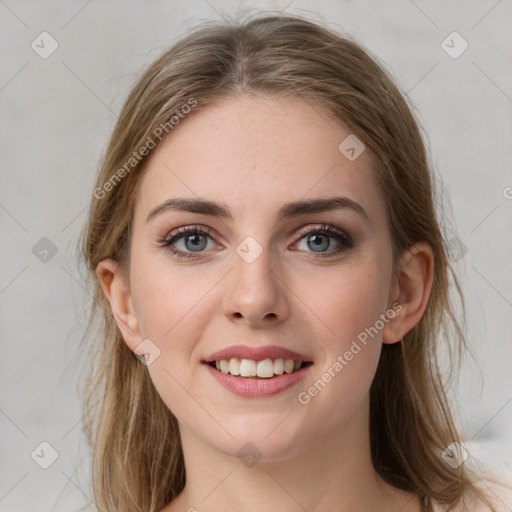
263 239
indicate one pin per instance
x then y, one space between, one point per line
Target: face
275 267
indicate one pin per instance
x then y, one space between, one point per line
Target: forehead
256 153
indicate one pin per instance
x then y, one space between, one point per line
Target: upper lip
256 353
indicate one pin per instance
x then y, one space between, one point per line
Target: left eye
319 240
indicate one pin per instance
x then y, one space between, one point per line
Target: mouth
258 369
263 362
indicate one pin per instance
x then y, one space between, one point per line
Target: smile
257 371
263 369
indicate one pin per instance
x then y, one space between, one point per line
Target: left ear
413 283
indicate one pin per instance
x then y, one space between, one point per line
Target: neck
333 473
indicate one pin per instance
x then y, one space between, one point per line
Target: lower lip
249 387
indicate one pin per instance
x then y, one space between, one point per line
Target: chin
265 437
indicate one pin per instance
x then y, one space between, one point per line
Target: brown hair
137 456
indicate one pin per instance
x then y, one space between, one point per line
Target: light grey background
57 114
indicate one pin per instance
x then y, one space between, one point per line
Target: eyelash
343 239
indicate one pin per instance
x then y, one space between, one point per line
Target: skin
253 154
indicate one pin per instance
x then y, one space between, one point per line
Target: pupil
196 243
317 241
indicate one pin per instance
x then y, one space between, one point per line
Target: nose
256 293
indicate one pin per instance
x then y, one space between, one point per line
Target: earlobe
413 284
117 292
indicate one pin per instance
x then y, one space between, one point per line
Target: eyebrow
293 209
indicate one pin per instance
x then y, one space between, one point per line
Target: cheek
167 298
350 303
173 310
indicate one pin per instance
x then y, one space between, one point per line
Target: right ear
118 294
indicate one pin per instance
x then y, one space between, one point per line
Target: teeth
264 369
234 366
224 366
248 368
279 366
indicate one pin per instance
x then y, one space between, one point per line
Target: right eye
195 240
